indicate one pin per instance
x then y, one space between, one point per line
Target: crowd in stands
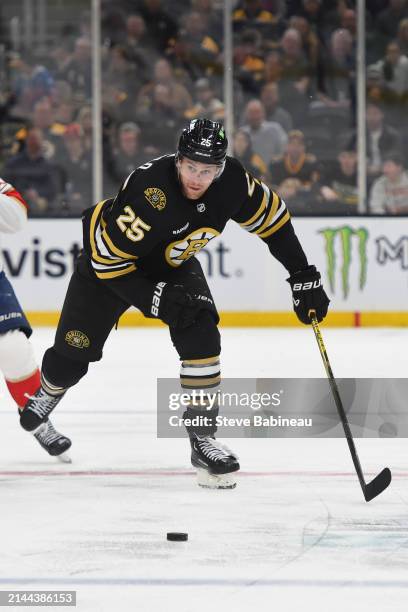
162 60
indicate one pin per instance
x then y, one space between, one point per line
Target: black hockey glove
308 294
179 306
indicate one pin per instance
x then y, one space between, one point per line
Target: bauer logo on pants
77 339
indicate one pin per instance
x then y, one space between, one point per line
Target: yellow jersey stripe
272 213
277 226
257 214
114 249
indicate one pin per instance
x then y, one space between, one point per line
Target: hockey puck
177 537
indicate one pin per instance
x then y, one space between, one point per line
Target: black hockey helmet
203 141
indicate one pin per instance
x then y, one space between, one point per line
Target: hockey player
17 361
139 250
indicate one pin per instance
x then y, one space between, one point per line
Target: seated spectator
75 165
30 82
135 44
389 193
310 41
393 69
273 111
212 13
206 103
250 160
179 98
33 176
200 51
128 155
338 83
295 173
78 71
382 139
268 138
388 20
248 60
159 120
161 29
338 192
43 119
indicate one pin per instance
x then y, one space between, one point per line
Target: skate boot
55 443
37 409
214 462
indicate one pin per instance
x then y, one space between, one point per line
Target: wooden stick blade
378 485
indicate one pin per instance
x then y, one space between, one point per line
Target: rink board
363 262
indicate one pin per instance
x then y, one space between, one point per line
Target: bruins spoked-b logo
77 339
181 250
155 197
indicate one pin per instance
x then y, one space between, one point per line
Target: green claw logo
345 235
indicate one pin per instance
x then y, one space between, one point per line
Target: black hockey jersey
151 226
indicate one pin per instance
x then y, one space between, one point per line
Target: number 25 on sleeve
134 227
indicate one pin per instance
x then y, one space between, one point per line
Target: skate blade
64 458
215 481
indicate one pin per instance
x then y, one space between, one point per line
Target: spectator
194 51
249 64
161 29
160 120
250 160
135 44
33 175
78 72
388 20
337 85
268 138
76 171
207 104
179 98
30 82
128 155
273 111
295 79
381 139
338 185
43 119
213 17
310 41
393 69
389 194
295 173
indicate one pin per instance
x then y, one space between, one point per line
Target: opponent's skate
38 408
214 461
51 440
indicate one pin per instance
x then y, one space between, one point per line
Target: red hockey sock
19 388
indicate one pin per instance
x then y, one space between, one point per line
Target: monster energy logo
345 236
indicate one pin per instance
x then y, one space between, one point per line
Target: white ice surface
294 535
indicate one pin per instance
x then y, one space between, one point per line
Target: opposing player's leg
199 349
88 315
19 367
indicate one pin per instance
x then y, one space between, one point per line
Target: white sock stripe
206 370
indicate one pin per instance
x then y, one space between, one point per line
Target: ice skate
55 443
38 408
215 463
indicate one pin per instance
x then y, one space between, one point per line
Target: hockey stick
383 479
